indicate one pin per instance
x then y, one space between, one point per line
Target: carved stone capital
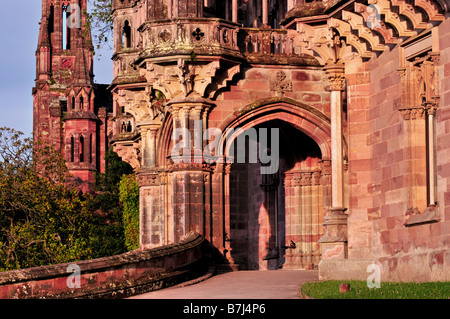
336 82
413 113
336 77
190 166
148 179
316 178
326 167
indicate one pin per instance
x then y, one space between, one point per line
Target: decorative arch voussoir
309 120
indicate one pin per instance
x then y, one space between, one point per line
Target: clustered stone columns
149 132
175 200
304 210
191 175
334 240
151 184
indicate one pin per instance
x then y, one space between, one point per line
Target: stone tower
70 111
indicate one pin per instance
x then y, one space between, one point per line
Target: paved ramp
275 284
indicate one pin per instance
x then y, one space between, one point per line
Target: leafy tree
43 220
99 21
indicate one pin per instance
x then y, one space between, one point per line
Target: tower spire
64 112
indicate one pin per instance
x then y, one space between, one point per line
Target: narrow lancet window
81 149
126 35
72 149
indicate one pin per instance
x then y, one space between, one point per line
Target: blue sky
19 22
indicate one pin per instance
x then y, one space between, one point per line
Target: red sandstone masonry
111 277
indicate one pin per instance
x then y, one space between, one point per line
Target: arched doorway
274 220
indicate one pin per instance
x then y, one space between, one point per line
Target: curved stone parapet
135 272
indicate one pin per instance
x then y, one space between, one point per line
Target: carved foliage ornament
165 36
281 83
336 81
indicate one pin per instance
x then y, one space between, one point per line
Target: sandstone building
358 91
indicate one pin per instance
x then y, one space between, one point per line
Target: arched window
81 103
72 149
126 35
73 102
129 127
81 149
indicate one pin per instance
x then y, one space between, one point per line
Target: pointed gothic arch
287 206
309 120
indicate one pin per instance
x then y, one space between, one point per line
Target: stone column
290 204
265 12
227 214
149 131
152 220
432 199
218 207
334 240
431 106
169 8
234 11
191 175
303 215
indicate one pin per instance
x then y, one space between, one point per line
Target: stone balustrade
267 42
186 36
213 37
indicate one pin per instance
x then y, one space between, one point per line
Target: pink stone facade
361 110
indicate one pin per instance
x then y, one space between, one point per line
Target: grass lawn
388 290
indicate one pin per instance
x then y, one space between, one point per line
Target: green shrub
129 197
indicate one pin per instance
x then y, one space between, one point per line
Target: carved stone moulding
413 113
148 179
188 166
